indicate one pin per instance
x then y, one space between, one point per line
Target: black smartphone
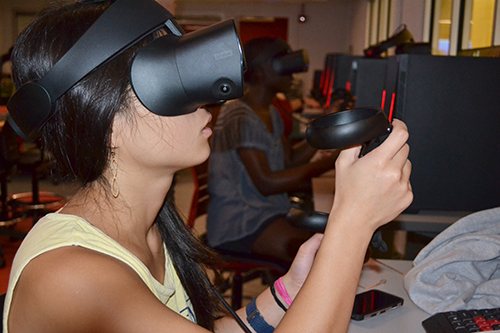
374 302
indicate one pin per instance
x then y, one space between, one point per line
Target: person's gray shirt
237 209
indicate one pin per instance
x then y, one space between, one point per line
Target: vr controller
368 127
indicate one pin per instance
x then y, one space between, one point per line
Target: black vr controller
368 127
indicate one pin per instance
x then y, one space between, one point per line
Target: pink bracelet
280 288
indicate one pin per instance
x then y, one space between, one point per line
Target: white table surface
405 319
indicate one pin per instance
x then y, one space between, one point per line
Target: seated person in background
290 111
253 165
342 99
118 258
286 108
6 85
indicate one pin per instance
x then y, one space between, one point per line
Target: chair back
200 200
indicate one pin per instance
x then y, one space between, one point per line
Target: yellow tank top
58 230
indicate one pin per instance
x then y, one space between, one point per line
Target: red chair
243 268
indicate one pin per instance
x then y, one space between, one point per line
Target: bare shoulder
80 290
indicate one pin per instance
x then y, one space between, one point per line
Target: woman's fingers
301 265
348 156
395 141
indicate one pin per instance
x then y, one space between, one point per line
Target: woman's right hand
375 188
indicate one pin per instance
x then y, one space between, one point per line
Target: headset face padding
174 75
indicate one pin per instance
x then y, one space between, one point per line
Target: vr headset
284 61
173 75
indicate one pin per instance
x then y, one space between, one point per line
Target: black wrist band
273 291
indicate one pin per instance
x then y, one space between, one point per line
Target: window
442 27
478 24
379 22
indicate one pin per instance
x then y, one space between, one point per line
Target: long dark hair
79 134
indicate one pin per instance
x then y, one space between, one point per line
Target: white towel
459 269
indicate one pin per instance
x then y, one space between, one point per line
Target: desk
405 319
424 222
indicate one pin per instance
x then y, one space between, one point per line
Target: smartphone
374 302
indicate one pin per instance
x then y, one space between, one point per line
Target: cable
228 307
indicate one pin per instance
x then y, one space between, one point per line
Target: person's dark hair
79 134
254 50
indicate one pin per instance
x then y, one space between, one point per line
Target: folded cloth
459 269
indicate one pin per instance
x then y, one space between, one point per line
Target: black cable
228 307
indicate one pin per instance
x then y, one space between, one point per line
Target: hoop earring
115 190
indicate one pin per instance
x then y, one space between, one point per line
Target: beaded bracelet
280 287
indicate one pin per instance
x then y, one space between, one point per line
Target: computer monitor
335 75
366 80
451 106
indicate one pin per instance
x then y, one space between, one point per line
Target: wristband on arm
256 320
280 288
281 305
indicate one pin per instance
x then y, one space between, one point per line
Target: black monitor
451 106
366 80
335 75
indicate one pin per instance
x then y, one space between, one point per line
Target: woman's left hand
301 265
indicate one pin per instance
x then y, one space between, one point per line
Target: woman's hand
301 265
374 189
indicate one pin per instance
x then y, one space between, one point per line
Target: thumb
350 155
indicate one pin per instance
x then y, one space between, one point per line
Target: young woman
117 258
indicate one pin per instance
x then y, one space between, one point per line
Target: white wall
332 26
329 27
411 13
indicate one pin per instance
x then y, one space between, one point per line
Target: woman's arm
73 289
370 192
293 280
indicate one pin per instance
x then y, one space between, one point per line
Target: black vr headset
284 61
172 75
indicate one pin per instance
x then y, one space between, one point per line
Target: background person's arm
270 182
